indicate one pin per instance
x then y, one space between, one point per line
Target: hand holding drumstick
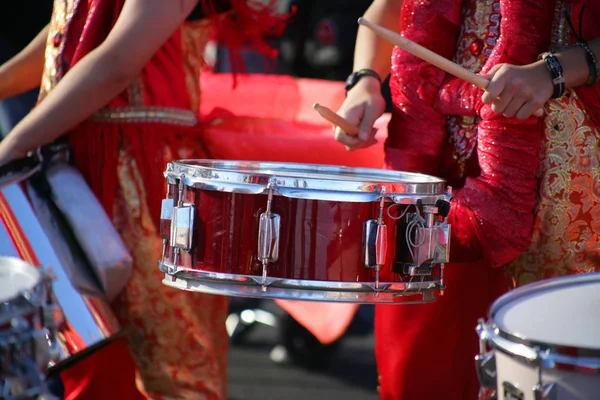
365 104
336 120
340 124
521 110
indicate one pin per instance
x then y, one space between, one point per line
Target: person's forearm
574 63
86 88
371 51
24 71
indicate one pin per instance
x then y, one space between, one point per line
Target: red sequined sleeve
492 214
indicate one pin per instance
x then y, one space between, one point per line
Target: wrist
369 84
555 69
576 66
361 75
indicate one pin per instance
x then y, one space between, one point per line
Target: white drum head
566 313
15 277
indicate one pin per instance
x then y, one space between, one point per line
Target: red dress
178 339
439 126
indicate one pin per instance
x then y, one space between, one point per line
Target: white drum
544 341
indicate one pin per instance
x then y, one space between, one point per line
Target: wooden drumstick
336 119
430 57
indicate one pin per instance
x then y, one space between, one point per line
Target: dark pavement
350 373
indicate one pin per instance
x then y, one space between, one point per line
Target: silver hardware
544 392
307 181
541 390
432 244
183 223
375 241
268 236
430 213
486 370
485 362
511 392
182 227
166 217
219 283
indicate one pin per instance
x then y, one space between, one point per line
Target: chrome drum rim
307 181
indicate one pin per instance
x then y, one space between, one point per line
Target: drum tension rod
182 227
268 236
381 241
166 213
177 250
375 241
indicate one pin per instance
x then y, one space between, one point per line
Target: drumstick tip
316 105
361 21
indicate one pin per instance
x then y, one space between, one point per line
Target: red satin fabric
426 352
107 373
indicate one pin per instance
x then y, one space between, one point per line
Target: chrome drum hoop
297 289
307 181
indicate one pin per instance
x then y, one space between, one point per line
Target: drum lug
182 228
485 365
432 240
544 392
166 217
268 237
511 392
375 241
485 362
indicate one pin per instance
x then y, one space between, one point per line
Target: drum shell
568 385
318 239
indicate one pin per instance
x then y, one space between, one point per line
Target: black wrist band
556 71
355 77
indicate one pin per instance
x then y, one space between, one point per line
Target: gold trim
148 114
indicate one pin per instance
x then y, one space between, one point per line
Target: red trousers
108 373
426 352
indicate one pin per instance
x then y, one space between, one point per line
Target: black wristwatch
358 75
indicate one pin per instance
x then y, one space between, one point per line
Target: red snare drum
304 232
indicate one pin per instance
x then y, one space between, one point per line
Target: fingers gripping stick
430 57
336 119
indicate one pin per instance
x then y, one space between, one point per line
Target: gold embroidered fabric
479 31
566 234
62 13
195 35
178 337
